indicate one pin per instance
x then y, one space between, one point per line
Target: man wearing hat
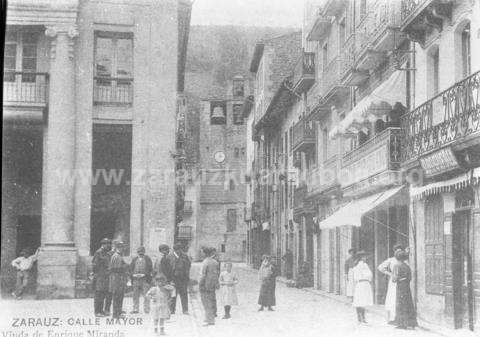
180 266
100 263
118 278
162 265
208 284
141 273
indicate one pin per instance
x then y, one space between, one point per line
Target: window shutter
434 246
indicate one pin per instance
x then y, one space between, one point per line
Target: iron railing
111 90
304 67
449 116
25 87
409 7
303 132
185 232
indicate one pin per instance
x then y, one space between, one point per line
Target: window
222 248
434 245
324 57
236 152
238 88
20 55
466 53
363 8
433 71
237 114
231 185
325 144
231 220
113 67
341 33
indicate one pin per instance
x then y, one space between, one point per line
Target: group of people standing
398 302
111 275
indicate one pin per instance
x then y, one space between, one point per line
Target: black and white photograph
240 168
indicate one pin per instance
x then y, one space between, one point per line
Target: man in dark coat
100 264
208 284
118 270
180 265
162 265
141 273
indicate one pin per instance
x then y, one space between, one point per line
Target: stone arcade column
58 256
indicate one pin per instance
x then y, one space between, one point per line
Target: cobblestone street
298 313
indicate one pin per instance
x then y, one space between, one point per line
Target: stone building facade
90 95
215 194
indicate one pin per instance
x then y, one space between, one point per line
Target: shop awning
375 105
472 177
351 214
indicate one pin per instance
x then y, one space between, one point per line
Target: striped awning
472 177
351 214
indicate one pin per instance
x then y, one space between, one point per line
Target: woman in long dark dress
267 275
405 314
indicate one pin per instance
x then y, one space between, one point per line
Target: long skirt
267 293
405 310
391 299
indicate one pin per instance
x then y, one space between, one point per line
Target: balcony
331 86
25 91
304 73
350 74
319 27
300 203
323 178
185 232
374 163
419 16
112 91
450 118
303 136
187 207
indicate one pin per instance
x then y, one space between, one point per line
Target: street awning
351 214
374 106
459 182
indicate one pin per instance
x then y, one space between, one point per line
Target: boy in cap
23 264
141 273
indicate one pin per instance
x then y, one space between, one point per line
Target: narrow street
298 313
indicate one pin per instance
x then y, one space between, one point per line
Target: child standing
228 291
23 265
160 296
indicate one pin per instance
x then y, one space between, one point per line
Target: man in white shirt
23 264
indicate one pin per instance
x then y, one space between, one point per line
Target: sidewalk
380 311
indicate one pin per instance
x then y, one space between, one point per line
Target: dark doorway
111 180
462 264
28 233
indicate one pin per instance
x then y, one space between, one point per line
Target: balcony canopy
374 106
351 214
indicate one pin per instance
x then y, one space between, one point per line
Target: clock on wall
219 156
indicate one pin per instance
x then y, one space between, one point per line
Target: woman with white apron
386 267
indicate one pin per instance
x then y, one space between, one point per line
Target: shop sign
439 162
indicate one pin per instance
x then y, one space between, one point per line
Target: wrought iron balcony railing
304 73
448 117
303 136
410 8
185 232
21 87
187 207
115 91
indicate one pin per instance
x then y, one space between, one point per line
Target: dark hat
141 249
361 253
105 240
401 255
160 277
163 247
177 246
397 247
